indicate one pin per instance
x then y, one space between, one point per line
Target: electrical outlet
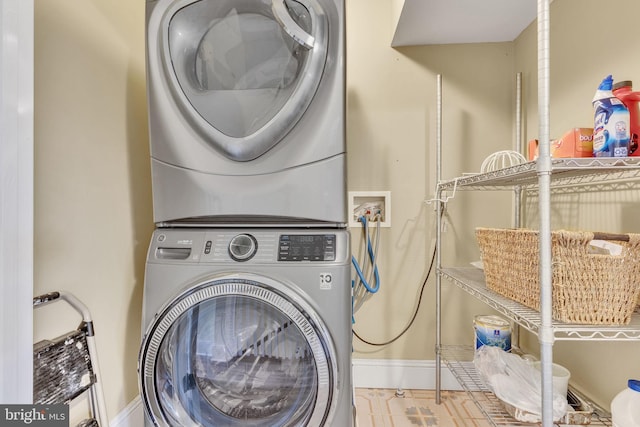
375 205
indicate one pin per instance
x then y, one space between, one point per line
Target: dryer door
244 71
238 351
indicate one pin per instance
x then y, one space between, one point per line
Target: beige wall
391 118
92 182
93 201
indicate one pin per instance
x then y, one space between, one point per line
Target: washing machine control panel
307 247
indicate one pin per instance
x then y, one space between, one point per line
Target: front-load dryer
247 328
246 104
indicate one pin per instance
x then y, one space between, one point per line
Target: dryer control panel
307 247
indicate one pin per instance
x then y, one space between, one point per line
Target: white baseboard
131 416
367 373
404 374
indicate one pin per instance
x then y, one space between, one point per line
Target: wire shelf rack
472 281
459 360
607 172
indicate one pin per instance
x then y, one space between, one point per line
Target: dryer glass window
235 360
248 66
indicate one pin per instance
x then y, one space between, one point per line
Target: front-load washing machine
246 104
247 328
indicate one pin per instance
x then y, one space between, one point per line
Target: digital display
307 247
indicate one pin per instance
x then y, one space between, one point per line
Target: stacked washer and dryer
247 294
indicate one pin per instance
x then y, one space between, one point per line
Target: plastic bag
514 381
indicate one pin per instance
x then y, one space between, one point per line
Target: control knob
243 247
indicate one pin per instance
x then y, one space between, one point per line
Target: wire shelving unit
540 178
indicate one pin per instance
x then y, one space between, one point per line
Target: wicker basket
587 288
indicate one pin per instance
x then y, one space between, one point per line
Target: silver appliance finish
247 327
246 110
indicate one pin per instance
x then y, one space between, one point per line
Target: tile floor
383 408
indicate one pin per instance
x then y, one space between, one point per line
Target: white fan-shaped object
502 159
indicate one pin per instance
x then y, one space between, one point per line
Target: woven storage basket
587 288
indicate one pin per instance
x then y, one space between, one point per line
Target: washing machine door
238 351
244 71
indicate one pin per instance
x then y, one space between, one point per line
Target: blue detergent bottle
610 123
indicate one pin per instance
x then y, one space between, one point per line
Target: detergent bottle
623 91
625 406
611 123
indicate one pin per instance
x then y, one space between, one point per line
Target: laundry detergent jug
623 91
610 123
625 407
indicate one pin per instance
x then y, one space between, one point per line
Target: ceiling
424 22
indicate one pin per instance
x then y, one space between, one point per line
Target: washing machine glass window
237 352
249 68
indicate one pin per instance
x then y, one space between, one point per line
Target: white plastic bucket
561 377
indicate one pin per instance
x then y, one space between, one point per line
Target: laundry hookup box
578 142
